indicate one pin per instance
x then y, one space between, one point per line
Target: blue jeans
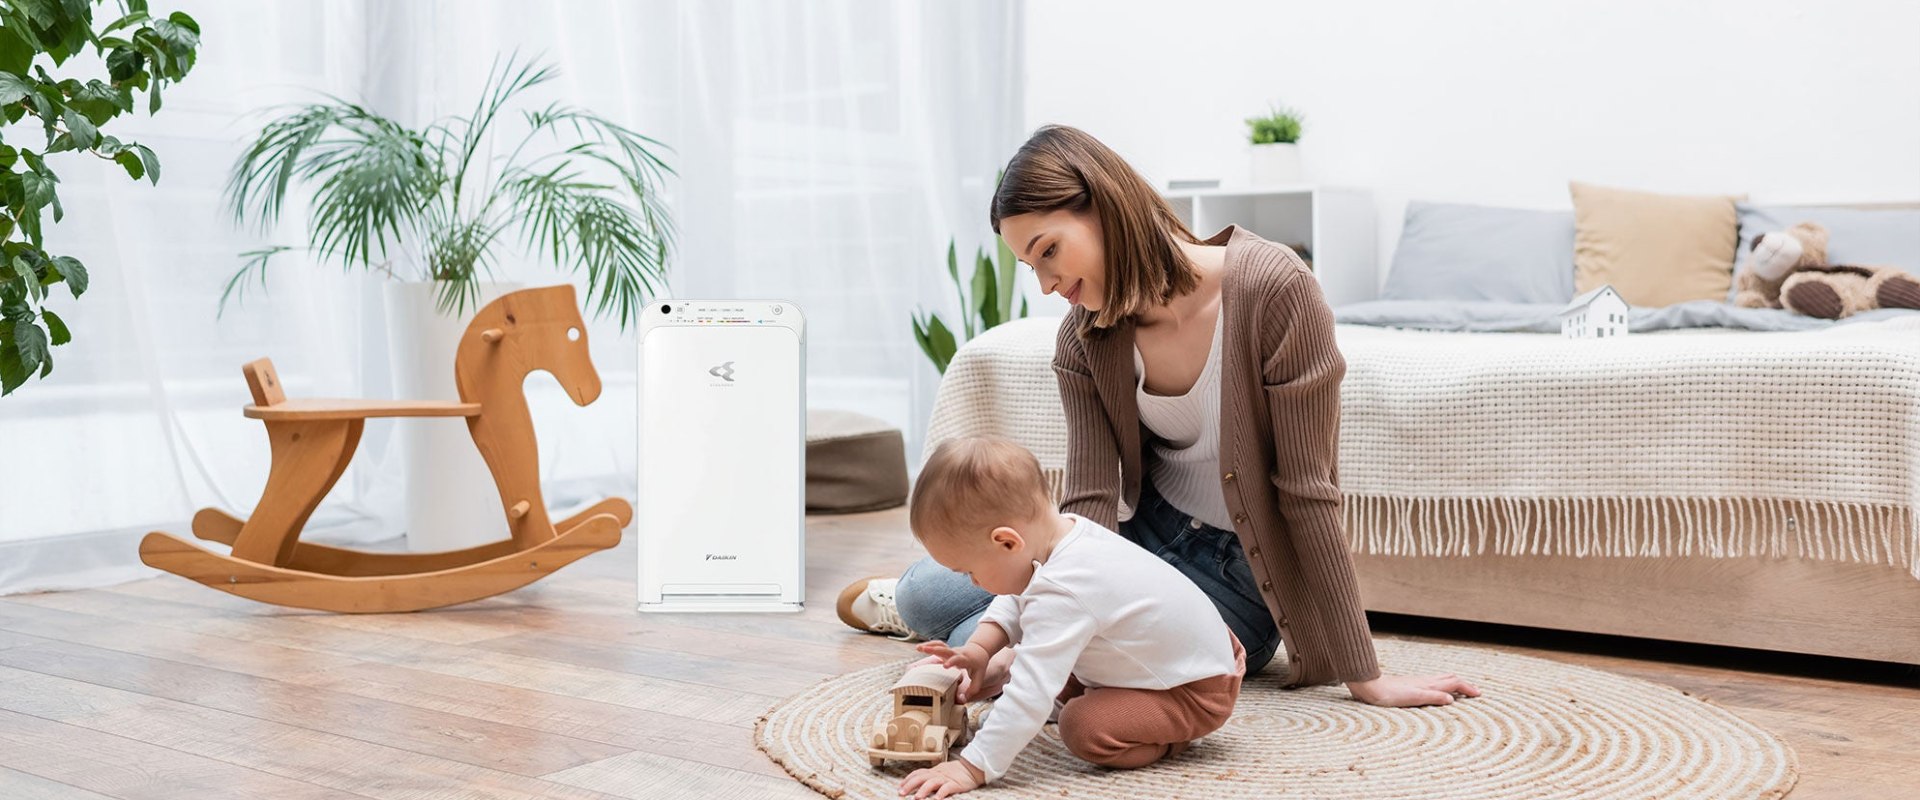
938 603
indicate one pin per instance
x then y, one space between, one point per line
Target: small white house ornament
1598 314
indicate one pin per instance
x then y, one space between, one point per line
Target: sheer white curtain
139 423
826 153
829 151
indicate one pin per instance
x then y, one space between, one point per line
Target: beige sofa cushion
1655 249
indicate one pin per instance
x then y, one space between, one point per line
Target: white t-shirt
1103 609
1186 465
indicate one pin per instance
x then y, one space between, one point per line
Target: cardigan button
1227 478
1253 552
1266 586
1239 519
1293 657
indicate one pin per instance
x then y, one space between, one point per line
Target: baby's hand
971 658
947 779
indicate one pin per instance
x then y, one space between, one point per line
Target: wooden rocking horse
313 439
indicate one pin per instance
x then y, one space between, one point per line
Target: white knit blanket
1689 443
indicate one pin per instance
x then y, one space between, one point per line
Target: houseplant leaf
939 343
57 327
1009 270
959 289
985 292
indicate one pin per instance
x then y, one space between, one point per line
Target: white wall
1500 102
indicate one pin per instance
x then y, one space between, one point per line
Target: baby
1135 652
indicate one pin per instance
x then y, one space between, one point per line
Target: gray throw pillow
1450 251
1866 237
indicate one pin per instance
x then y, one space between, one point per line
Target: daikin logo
723 372
721 557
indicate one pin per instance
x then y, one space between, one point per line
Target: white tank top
1187 469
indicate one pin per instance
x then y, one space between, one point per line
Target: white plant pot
1274 164
451 500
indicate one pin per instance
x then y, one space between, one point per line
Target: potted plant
432 210
990 305
142 53
1275 153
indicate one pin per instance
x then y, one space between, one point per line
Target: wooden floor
163 688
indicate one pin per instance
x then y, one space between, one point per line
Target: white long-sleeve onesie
1102 609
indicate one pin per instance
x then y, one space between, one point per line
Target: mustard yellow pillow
1655 249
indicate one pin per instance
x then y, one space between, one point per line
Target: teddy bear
1775 255
1788 269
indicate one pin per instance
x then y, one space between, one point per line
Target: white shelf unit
1335 224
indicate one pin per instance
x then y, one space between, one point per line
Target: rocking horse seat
321 408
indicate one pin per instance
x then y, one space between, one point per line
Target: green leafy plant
379 187
1279 126
141 53
991 303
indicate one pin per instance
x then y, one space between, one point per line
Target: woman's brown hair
1064 168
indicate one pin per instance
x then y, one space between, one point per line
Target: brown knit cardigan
1279 443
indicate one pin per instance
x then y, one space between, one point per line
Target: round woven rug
1540 730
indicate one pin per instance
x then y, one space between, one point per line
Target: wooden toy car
927 718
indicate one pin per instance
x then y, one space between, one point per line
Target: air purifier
722 512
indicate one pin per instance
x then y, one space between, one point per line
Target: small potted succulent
1275 154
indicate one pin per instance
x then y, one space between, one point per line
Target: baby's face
999 562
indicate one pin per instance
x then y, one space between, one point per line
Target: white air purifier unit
723 446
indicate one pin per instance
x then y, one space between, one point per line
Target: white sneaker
867 604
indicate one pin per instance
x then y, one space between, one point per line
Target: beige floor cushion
854 463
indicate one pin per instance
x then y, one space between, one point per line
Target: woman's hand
1407 691
947 779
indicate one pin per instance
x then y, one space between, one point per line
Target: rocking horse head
524 331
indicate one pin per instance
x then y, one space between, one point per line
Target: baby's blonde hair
973 484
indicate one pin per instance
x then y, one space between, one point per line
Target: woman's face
1066 253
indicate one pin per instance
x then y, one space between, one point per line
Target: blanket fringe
1647 527
1626 527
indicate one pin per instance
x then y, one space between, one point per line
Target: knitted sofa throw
1688 443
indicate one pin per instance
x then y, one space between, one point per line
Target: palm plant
380 187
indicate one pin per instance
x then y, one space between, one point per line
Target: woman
1201 384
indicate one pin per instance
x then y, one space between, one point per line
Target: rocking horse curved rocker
313 439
